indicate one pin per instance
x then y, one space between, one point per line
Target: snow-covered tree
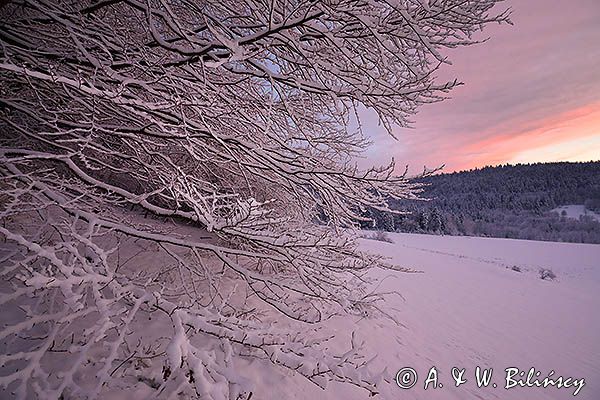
231 124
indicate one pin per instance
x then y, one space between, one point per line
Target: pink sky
531 93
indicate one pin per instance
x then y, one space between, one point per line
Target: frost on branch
214 138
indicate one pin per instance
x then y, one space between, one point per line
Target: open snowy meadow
474 302
469 308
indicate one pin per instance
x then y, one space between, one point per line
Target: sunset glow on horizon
570 136
531 93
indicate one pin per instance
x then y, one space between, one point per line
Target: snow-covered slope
469 308
575 211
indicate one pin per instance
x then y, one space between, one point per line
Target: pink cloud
531 78
578 124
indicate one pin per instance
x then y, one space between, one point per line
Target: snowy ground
469 309
575 211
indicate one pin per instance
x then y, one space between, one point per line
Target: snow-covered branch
222 135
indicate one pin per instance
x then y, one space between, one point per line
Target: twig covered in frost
231 117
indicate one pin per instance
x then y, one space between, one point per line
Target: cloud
566 136
531 85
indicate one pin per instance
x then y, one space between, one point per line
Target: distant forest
509 201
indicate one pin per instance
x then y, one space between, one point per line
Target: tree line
507 201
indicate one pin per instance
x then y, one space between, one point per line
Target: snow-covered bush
547 274
230 123
381 236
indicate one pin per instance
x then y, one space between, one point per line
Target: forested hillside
512 201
